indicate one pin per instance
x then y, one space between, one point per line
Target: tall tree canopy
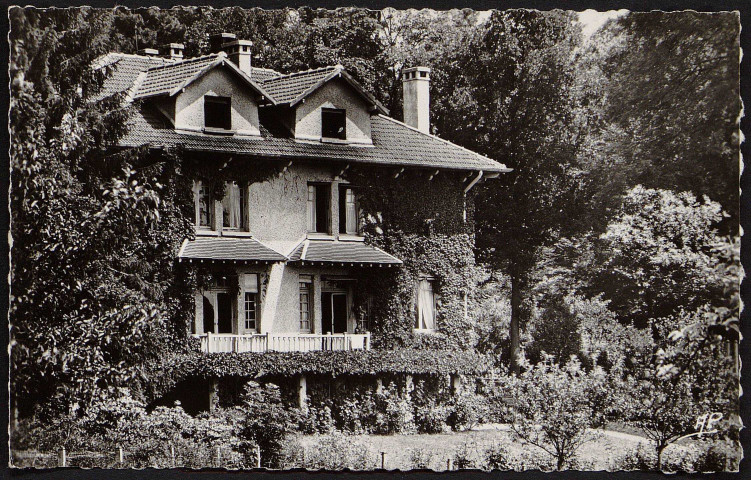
669 107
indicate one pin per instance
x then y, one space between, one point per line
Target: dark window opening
333 123
319 208
217 112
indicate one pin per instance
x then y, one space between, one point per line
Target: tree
656 256
554 407
690 374
93 229
512 97
647 67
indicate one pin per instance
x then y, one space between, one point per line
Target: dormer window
217 112
334 123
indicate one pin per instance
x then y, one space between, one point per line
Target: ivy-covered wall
422 222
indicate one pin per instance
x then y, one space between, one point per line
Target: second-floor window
234 206
204 206
334 123
217 112
319 210
349 211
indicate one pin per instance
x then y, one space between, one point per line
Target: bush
265 421
332 452
316 420
393 411
497 458
421 459
432 418
553 407
641 458
719 456
467 411
467 457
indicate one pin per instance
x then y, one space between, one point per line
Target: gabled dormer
324 105
209 94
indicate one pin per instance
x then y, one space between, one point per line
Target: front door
224 312
334 312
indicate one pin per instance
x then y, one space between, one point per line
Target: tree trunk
516 300
561 462
660 448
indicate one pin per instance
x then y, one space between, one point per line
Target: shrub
552 407
265 421
468 410
432 418
641 458
719 456
420 459
467 457
393 411
335 452
497 458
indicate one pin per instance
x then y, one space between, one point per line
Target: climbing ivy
252 365
421 222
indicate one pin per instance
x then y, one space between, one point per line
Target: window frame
198 188
242 206
306 288
313 210
327 116
216 102
417 326
254 299
343 210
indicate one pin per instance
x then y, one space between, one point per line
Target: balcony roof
228 250
343 253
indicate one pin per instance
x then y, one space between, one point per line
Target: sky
591 20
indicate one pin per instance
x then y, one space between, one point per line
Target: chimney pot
173 51
416 97
238 51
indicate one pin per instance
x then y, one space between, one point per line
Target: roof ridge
186 61
265 69
303 72
440 139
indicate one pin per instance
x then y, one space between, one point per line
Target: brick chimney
416 83
217 41
238 51
173 51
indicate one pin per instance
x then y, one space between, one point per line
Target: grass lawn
595 455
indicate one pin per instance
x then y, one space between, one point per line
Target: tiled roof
336 252
263 74
287 88
394 144
234 249
126 70
164 79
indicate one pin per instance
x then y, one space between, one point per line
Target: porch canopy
341 253
242 250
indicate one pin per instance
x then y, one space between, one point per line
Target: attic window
217 112
333 123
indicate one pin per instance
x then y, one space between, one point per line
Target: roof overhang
243 250
341 253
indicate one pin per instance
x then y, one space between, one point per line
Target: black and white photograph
357 239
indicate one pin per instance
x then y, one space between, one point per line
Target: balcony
284 342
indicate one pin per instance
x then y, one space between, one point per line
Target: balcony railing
284 342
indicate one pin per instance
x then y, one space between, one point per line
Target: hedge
251 365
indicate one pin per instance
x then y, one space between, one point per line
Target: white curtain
425 306
232 206
351 211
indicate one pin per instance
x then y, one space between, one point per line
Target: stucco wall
278 207
221 82
335 94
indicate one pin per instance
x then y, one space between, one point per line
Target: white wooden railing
282 342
